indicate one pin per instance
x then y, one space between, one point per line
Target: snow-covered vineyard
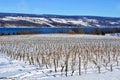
31 57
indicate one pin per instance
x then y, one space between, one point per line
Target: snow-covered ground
13 69
19 70
114 34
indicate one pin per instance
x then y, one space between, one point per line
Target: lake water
50 30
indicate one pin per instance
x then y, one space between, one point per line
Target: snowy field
114 34
55 56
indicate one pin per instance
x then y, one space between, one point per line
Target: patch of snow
58 20
104 76
113 34
72 21
114 22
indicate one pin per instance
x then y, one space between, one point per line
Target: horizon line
57 14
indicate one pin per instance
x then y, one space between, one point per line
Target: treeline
96 31
81 31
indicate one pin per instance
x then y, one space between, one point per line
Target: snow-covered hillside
21 20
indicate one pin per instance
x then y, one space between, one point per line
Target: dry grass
67 53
